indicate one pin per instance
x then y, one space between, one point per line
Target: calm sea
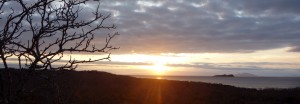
246 82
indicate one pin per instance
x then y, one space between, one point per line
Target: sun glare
160 68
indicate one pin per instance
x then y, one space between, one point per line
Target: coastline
243 82
86 87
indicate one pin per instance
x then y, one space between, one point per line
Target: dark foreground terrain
91 87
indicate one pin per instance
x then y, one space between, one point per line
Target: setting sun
160 68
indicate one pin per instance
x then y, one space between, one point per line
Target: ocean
245 82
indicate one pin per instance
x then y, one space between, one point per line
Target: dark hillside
92 87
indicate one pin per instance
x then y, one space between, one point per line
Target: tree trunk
3 59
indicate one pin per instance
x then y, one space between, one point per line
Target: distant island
224 75
245 75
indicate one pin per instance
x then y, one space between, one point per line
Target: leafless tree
39 33
55 28
6 34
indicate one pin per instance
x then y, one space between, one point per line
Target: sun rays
158 68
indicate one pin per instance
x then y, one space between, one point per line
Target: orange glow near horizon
179 63
187 63
273 55
158 68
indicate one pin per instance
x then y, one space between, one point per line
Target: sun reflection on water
159 78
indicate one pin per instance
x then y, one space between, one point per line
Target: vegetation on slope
92 87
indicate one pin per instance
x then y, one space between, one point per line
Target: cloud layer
193 26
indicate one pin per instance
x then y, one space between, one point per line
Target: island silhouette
224 75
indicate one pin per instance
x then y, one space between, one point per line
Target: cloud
295 49
195 26
234 66
274 6
207 25
257 68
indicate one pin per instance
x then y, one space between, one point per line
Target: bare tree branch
39 34
46 21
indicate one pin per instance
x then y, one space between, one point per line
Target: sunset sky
202 37
205 37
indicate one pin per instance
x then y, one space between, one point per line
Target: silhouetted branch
61 22
40 32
